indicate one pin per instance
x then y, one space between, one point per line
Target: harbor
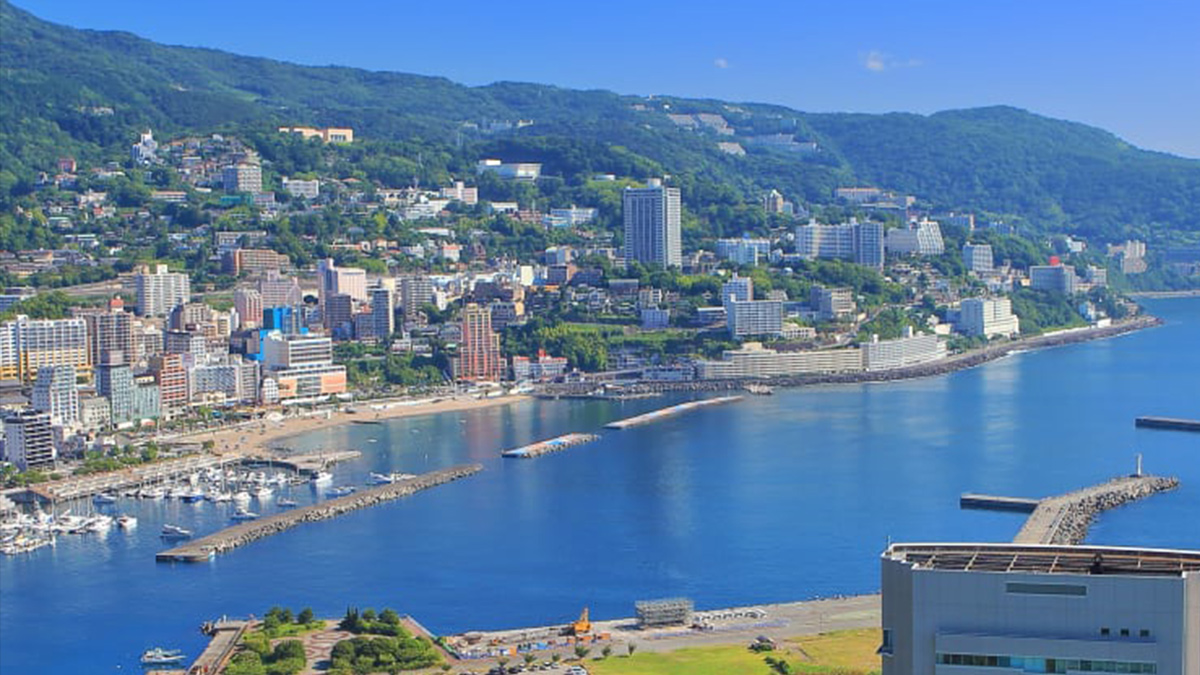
551 445
205 548
1167 423
671 411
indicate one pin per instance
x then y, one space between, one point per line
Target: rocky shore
1066 519
230 538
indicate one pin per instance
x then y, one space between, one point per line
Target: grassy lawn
850 652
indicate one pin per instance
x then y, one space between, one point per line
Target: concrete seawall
202 549
1065 519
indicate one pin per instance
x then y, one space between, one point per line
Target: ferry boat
243 514
175 532
161 657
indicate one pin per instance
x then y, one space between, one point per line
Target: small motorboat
126 522
243 514
286 503
161 657
175 532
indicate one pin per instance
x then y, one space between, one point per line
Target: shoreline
1193 293
264 436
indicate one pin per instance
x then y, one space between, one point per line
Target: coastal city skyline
366 372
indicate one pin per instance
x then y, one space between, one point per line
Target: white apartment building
739 289
910 350
244 177
652 225
743 251
56 394
754 317
754 361
160 291
307 189
954 609
988 317
27 345
916 238
978 257
1054 278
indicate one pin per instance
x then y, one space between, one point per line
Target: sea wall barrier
1170 423
202 549
1065 519
670 411
552 445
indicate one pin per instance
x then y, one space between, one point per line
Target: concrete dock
1065 519
200 550
1170 423
224 637
970 500
552 445
305 464
77 487
671 411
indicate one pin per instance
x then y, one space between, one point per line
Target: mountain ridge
997 159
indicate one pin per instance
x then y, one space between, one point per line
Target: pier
671 411
306 464
994 503
552 445
200 550
224 636
1065 519
1170 423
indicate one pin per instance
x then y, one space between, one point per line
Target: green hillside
58 83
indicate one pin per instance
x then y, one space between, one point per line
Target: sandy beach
258 437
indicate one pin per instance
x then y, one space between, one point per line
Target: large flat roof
1046 559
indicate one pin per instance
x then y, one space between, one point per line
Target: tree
305 616
607 651
631 647
581 652
529 658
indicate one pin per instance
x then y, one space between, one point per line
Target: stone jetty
552 445
1065 519
664 413
205 548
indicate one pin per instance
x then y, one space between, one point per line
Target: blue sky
1130 67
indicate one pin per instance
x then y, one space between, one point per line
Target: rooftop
1046 559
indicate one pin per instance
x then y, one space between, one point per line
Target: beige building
754 360
327 134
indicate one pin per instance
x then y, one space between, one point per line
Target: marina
671 411
230 538
1168 423
552 445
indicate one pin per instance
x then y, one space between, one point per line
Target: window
1046 589
1145 632
1105 632
1124 632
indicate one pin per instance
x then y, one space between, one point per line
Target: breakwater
552 445
1170 423
230 538
663 413
1065 519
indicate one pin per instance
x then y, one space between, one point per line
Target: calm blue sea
775 498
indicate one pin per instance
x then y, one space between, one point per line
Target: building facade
978 258
27 345
754 318
479 352
988 317
652 225
910 350
158 292
55 393
1004 608
29 440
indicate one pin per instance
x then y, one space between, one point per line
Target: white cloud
721 63
877 62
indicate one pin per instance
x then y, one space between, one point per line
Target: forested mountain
58 84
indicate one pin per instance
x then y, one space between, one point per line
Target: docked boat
127 522
243 514
193 497
339 491
242 497
263 492
104 498
322 477
381 478
161 657
175 532
286 503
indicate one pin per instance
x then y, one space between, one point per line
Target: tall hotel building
29 344
479 353
652 225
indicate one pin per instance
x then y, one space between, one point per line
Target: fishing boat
161 657
175 532
243 514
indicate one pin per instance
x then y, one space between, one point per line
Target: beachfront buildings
754 361
988 317
1007 608
29 344
479 352
753 318
909 350
301 366
862 243
652 225
158 292
29 440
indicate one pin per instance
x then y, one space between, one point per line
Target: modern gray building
993 609
652 225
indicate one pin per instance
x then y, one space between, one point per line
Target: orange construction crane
582 625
